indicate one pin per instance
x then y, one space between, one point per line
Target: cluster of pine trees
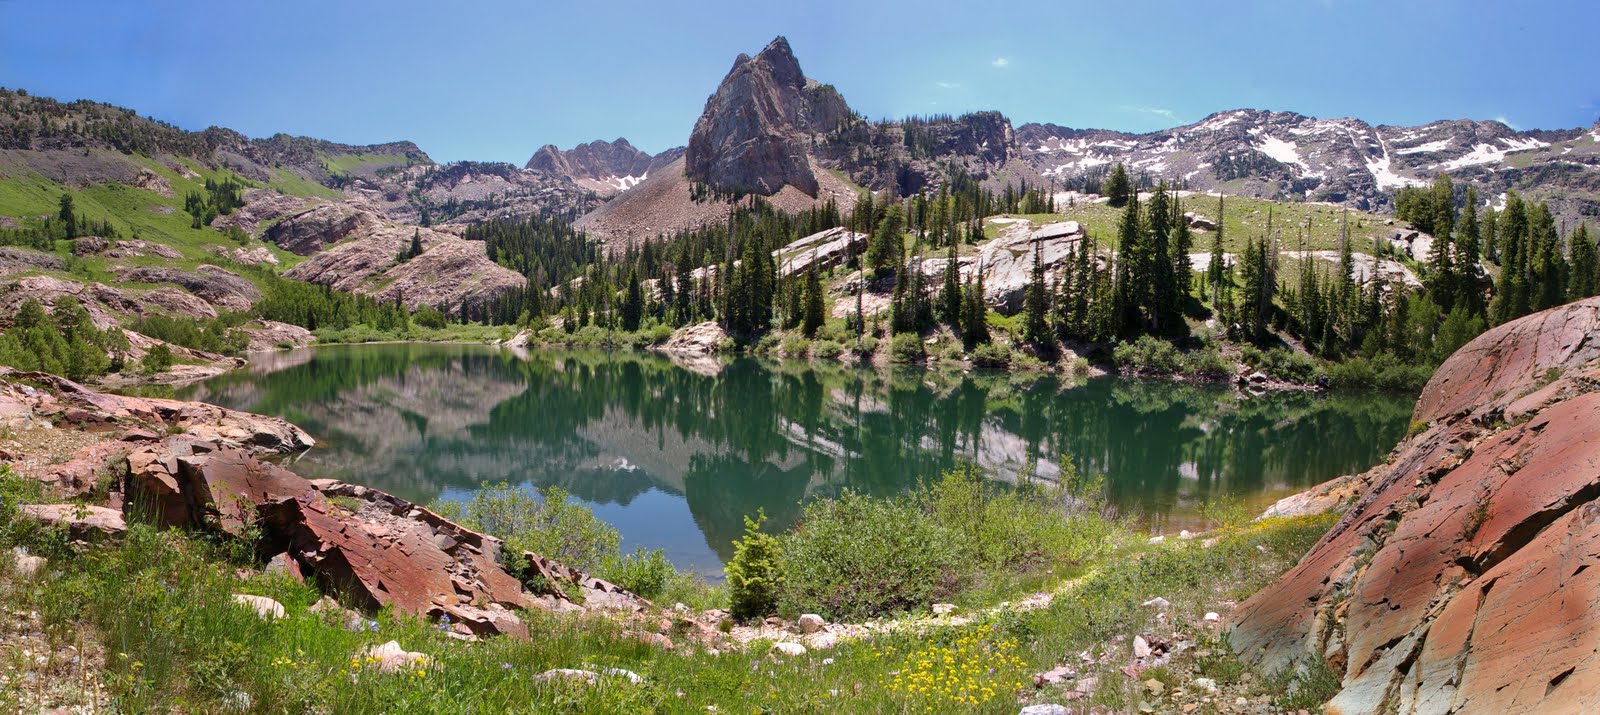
63 341
220 199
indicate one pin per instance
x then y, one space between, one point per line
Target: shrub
905 348
644 572
1148 355
754 574
1207 362
157 359
549 526
855 557
796 347
1383 372
826 350
1286 365
867 347
992 355
429 317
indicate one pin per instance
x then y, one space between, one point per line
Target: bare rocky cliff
753 135
1462 580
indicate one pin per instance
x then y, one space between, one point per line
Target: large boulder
1461 581
192 482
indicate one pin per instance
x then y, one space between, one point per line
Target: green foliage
992 355
157 359
906 348
1148 355
64 342
549 525
754 574
645 572
1382 372
214 335
856 556
826 349
1282 364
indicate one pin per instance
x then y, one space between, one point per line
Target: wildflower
372 626
505 666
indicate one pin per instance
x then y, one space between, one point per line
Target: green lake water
676 453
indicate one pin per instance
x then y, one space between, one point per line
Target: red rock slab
1512 360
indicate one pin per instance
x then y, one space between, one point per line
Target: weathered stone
1045 709
1461 582
789 648
28 566
266 608
943 609
390 658
811 623
87 523
197 483
750 137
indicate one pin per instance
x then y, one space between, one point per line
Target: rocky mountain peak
751 136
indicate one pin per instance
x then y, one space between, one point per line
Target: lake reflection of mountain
677 457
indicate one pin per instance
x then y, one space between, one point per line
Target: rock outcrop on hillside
1462 581
361 255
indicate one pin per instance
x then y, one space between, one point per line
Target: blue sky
486 80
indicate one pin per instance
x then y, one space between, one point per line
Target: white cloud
1506 122
947 85
1166 113
1001 62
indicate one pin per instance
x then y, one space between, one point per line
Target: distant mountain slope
769 130
606 168
1347 161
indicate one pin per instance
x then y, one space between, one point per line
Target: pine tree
950 291
1131 280
974 314
1035 304
69 218
1214 269
1585 279
632 303
1117 186
814 303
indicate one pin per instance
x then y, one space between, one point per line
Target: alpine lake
675 452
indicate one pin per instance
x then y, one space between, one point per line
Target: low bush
857 556
1148 355
992 355
548 525
796 347
866 347
826 350
1207 362
1282 364
1383 372
906 348
645 572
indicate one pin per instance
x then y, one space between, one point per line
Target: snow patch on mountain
1436 145
1491 154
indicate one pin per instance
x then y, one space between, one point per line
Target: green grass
353 163
293 184
160 605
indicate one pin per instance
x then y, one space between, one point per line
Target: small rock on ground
264 607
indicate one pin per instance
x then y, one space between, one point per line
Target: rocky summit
1462 580
751 137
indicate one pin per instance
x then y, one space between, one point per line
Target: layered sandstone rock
1462 581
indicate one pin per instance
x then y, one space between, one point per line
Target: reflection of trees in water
608 427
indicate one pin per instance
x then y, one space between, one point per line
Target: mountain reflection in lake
676 455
